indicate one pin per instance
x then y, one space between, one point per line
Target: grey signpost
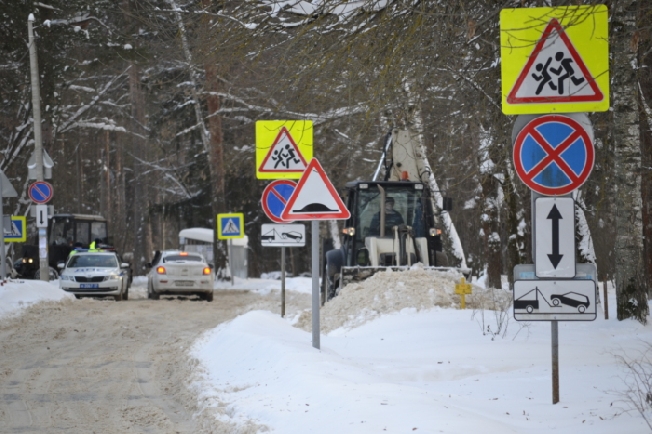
283 235
553 290
314 199
6 190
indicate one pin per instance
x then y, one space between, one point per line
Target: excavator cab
392 225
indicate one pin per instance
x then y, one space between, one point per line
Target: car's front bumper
109 287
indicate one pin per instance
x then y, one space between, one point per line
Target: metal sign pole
315 284
282 282
231 260
44 263
555 362
3 252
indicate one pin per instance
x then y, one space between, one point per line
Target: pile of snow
426 372
392 291
16 295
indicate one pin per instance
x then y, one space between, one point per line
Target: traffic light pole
44 263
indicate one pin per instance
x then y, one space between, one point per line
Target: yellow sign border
266 133
23 238
587 28
221 217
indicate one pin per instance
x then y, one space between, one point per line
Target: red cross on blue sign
553 155
275 197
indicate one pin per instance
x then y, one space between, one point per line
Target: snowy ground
416 369
15 295
400 368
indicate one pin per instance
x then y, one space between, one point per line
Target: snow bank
426 372
392 291
19 294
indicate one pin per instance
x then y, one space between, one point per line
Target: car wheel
151 294
208 296
331 288
581 308
529 308
118 297
53 275
555 302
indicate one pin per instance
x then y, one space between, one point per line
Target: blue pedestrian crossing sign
18 231
230 226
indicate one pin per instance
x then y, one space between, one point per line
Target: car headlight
67 277
112 277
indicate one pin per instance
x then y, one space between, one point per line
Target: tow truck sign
555 300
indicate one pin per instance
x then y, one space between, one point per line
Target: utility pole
44 263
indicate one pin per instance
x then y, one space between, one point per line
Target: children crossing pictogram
555 72
283 148
554 59
283 156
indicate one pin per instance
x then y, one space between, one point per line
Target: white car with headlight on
175 272
95 274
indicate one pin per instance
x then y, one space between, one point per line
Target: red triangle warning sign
283 155
315 198
555 72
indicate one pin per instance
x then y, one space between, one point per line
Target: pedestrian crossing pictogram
230 226
283 156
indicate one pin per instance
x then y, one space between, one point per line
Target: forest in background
149 108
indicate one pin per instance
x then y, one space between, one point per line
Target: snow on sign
282 148
315 198
554 235
553 155
555 60
230 226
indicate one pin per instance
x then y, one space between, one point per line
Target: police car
95 274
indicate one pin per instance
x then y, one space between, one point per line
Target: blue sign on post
230 226
18 232
553 155
275 196
40 191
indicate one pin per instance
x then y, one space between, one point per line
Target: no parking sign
553 155
275 197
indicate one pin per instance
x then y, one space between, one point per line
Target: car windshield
407 208
177 258
93 261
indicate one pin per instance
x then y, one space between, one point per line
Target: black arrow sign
555 216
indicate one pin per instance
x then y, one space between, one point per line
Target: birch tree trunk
139 207
216 145
645 122
631 288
